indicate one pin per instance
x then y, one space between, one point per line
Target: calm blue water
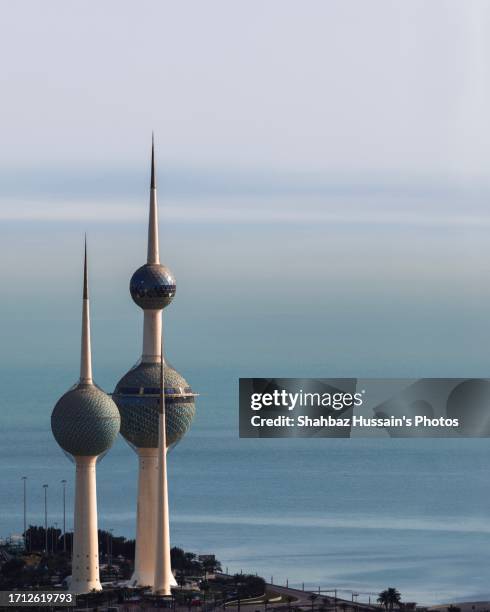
353 514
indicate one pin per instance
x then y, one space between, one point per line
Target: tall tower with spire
85 422
137 396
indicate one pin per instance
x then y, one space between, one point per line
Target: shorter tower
85 422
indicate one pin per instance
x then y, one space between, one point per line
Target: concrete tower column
85 559
163 570
144 561
152 331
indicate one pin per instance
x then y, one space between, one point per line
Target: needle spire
152 180
86 353
153 250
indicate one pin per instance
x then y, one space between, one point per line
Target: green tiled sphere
85 421
136 396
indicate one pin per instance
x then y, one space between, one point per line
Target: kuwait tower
85 422
137 396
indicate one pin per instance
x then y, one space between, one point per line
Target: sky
322 172
339 86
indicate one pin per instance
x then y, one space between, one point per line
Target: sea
349 514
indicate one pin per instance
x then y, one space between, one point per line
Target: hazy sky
343 85
322 170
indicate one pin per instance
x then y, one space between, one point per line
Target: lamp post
63 482
24 478
45 487
55 539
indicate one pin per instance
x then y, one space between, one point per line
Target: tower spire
153 251
85 272
86 353
152 180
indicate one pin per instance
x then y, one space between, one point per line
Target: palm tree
394 598
389 598
383 599
210 566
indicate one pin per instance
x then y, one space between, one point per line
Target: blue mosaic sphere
85 421
152 286
137 396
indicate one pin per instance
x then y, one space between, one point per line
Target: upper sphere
152 286
85 421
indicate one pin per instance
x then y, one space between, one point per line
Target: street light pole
63 482
24 478
356 595
55 538
45 487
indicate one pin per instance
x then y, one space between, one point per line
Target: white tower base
145 554
144 561
163 571
85 559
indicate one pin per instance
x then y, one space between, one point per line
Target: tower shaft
146 519
163 570
152 332
85 558
144 561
